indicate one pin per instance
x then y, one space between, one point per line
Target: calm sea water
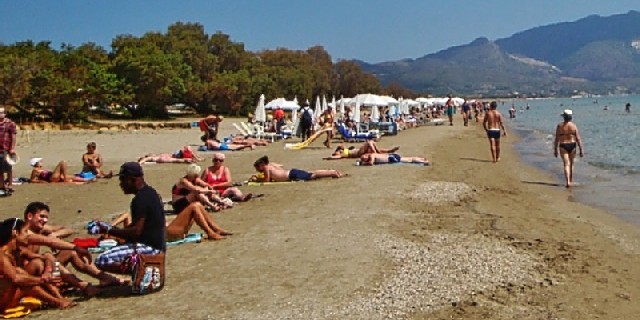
609 174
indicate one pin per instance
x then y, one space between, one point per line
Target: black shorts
493 134
179 205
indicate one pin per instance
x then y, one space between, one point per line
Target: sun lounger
357 137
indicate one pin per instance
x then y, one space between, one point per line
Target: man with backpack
306 121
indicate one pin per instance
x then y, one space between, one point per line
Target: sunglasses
218 160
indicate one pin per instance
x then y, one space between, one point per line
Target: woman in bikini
352 153
184 155
191 188
218 177
59 174
567 138
327 122
15 282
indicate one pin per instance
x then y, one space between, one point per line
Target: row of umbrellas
368 100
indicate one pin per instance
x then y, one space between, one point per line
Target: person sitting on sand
15 282
184 155
190 188
92 163
222 146
180 226
219 178
367 147
59 174
371 159
36 215
273 172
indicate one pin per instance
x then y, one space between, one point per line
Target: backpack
307 117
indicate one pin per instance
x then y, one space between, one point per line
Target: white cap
34 161
568 112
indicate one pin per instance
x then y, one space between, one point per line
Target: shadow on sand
476 160
542 183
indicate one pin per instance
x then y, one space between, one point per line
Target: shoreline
464 238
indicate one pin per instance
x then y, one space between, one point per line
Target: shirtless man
371 159
567 137
15 281
274 172
368 147
492 125
92 162
36 216
221 146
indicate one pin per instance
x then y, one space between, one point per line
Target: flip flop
17 312
30 303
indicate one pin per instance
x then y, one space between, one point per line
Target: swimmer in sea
493 124
567 138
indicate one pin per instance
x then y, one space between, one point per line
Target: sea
608 176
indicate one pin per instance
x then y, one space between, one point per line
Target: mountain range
598 55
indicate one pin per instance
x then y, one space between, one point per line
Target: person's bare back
277 173
493 120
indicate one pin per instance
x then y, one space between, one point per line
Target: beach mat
397 163
190 238
255 184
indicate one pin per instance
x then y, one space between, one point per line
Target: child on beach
274 172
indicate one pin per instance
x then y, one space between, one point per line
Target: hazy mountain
595 53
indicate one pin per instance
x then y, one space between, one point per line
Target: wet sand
464 238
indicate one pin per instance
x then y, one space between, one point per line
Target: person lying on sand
221 146
371 159
184 155
92 162
368 147
274 172
247 141
59 173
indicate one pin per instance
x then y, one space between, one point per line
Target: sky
372 31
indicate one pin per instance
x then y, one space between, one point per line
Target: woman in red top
219 177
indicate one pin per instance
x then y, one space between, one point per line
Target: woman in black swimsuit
567 138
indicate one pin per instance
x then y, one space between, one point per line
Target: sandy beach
462 239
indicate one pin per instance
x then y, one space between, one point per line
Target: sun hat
34 161
567 112
12 159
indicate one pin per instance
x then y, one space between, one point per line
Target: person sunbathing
368 147
274 172
248 141
190 188
184 155
219 178
371 159
59 173
222 146
92 163
179 227
15 282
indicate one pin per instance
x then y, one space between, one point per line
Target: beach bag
147 272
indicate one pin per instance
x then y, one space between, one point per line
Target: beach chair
259 131
241 130
357 137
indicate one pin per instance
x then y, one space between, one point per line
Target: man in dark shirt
146 233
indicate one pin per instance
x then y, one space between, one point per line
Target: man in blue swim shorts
274 172
371 159
221 146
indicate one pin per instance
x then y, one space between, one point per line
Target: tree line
210 73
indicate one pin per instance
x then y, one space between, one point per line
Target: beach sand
462 239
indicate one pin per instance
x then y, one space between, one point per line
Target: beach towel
190 238
357 163
254 184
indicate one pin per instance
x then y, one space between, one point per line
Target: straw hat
12 160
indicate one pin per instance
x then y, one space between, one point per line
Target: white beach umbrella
375 114
260 113
294 116
333 104
324 103
356 112
318 111
391 100
368 99
342 107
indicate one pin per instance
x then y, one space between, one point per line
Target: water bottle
56 270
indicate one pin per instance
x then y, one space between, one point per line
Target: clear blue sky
373 30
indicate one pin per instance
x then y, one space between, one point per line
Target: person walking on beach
567 138
450 105
7 148
306 121
493 125
627 107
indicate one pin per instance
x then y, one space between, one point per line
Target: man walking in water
493 124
